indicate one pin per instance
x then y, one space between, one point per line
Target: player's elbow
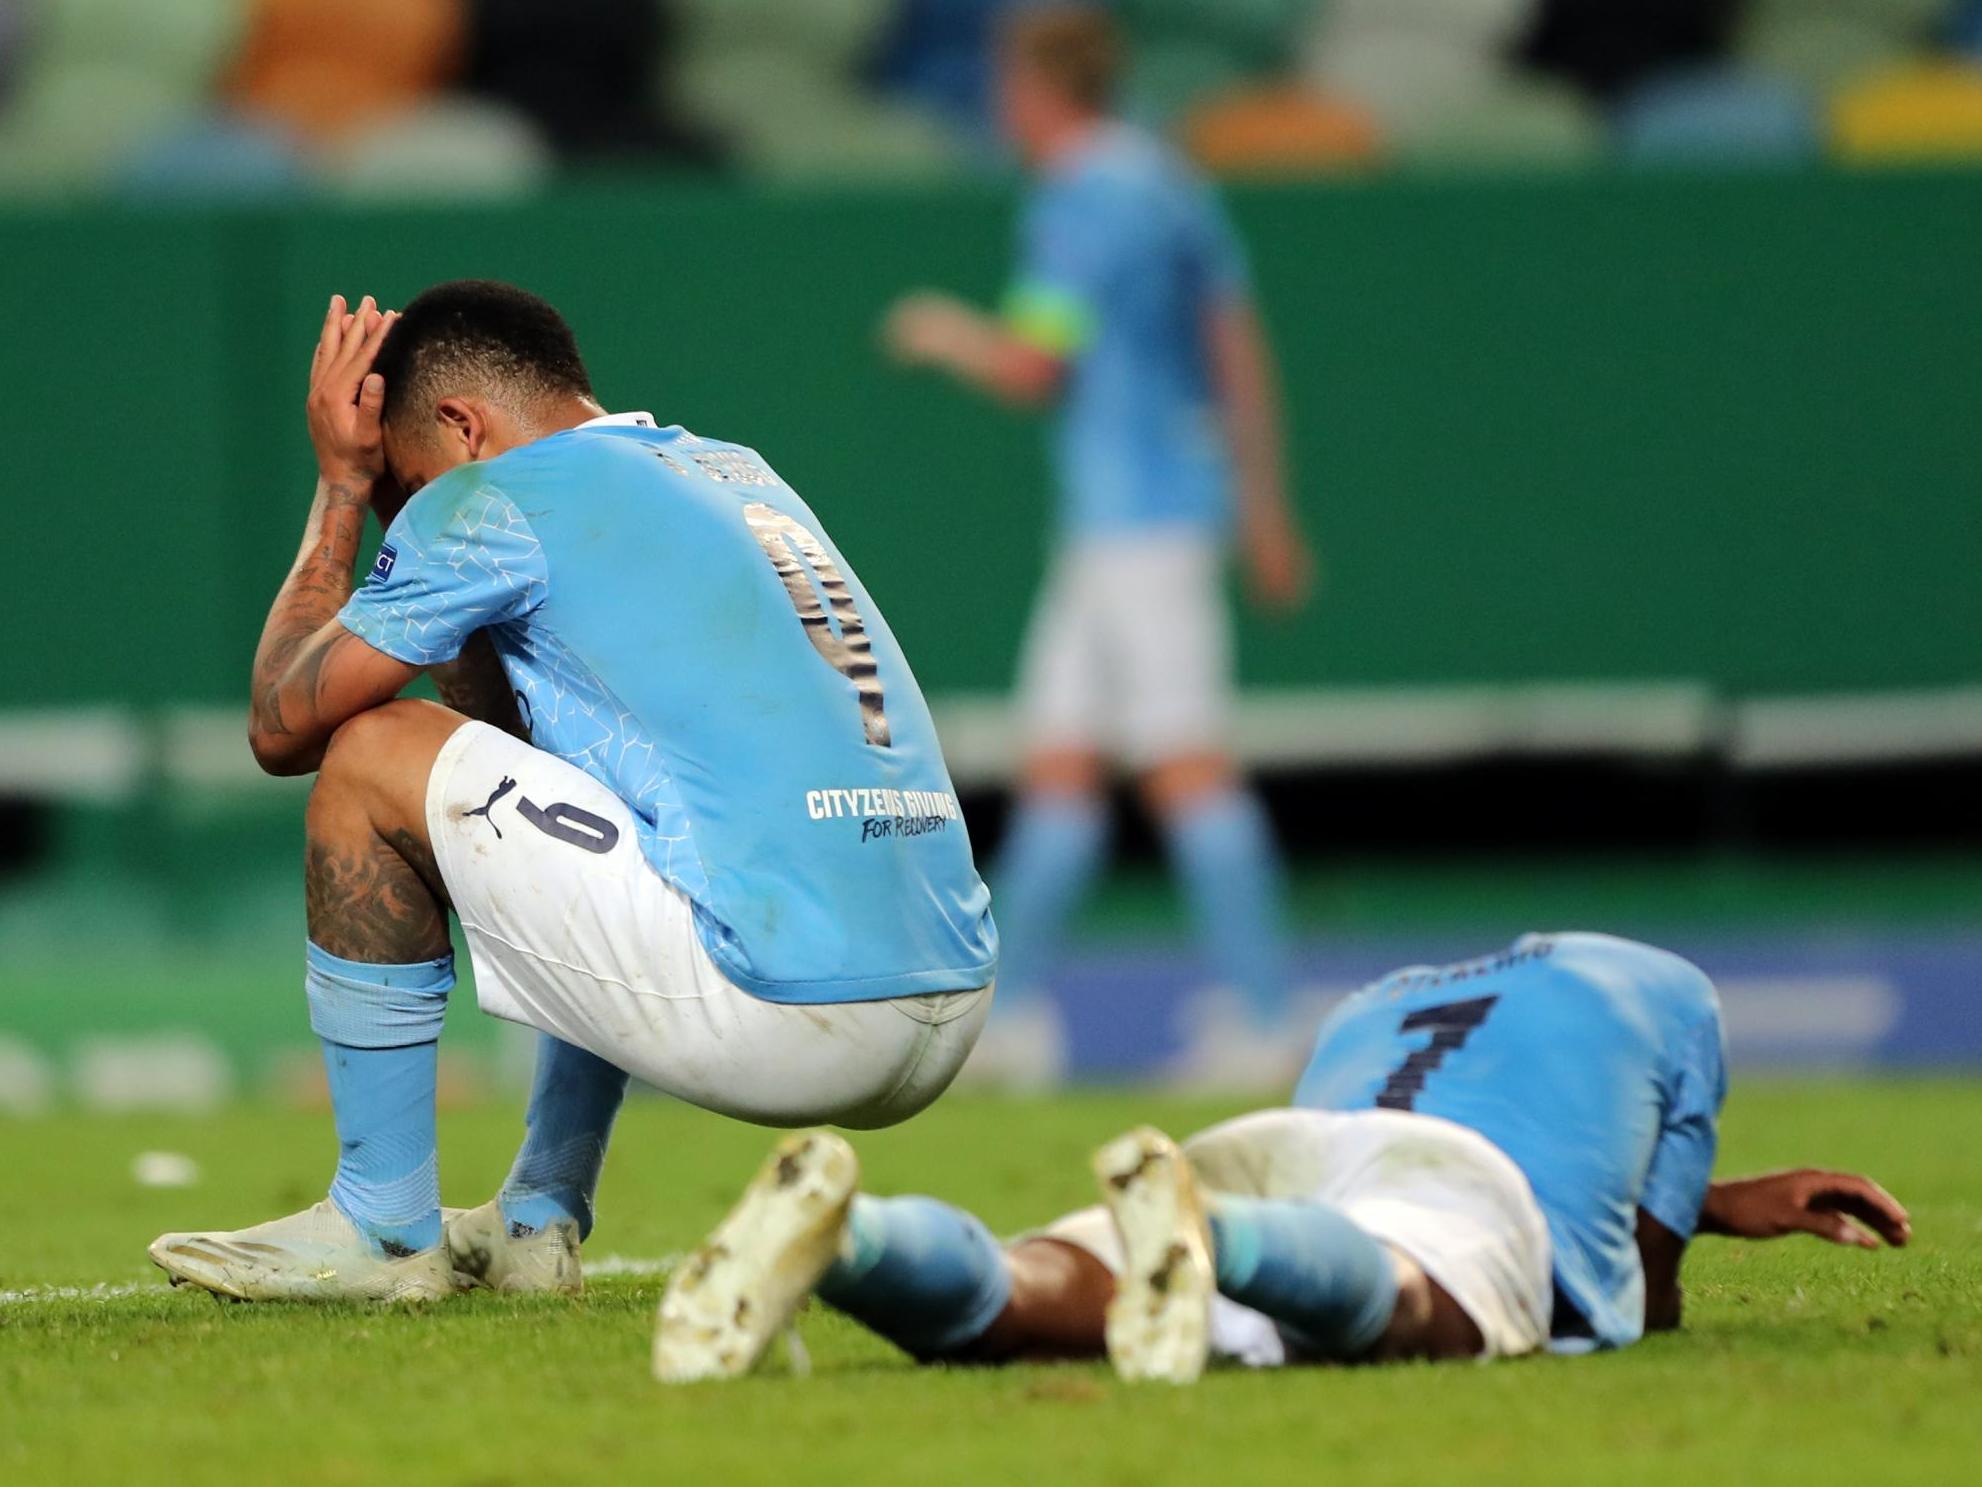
280 753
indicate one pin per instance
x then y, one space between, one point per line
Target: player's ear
462 429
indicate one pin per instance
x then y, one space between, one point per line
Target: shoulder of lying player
1650 974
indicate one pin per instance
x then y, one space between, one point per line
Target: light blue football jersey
676 623
1123 252
1595 1063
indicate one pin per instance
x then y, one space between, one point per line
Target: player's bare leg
1179 783
371 888
1060 1295
1063 772
380 968
930 1278
1058 1307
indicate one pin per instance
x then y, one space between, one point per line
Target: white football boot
487 1250
729 1299
315 1255
1159 1323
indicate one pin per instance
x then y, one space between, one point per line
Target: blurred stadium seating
1719 116
324 72
232 98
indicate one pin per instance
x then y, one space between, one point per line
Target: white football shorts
1443 1195
1129 650
571 932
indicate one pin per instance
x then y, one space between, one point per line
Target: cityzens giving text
885 813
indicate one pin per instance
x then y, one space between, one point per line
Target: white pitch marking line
101 1291
603 1268
610 1265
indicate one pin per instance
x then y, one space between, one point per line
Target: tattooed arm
311 674
475 685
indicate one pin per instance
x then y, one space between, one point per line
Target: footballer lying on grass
1486 1159
685 799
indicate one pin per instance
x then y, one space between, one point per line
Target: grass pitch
1799 1364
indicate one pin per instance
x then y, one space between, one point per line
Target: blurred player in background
1131 312
1486 1159
685 799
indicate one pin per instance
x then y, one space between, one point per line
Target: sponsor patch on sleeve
382 566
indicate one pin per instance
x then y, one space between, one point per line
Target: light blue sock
1051 853
380 1027
926 1276
1222 847
1309 1268
573 1101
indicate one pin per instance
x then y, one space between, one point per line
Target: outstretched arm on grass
1840 1207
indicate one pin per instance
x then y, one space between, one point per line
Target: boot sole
741 1289
1159 1322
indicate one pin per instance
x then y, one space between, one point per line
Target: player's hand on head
346 401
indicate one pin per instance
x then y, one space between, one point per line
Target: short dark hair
1075 47
477 334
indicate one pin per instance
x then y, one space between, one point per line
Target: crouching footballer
684 798
1483 1160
